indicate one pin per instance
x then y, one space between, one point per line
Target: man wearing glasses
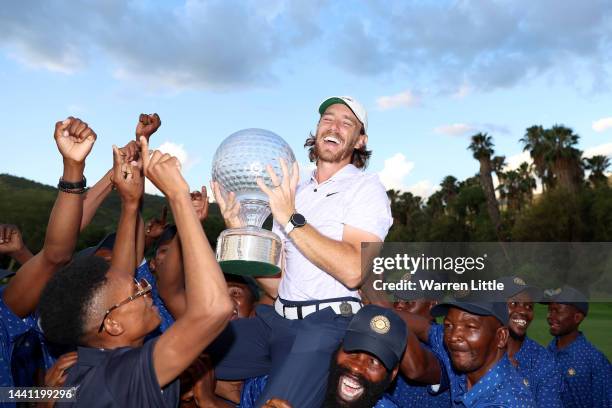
107 314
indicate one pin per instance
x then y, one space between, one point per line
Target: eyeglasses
143 286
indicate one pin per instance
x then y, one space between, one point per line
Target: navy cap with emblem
474 304
568 295
378 331
513 285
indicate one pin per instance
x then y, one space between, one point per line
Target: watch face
298 220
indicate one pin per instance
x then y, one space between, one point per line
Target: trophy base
249 251
249 268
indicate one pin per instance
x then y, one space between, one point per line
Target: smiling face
356 379
473 341
520 310
338 134
563 319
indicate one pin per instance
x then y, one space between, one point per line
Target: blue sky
430 73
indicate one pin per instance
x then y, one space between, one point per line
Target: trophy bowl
238 162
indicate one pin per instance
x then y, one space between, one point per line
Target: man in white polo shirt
322 223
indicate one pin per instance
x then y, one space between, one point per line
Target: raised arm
130 185
418 363
209 307
170 275
74 140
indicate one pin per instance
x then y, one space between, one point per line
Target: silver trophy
241 159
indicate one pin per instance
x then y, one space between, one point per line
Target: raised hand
282 195
131 151
229 206
199 200
155 226
147 125
163 170
127 177
56 375
74 139
10 239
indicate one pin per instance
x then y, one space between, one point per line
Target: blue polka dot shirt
501 386
406 393
536 365
586 374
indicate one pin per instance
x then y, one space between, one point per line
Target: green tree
482 150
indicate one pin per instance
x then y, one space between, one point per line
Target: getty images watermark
409 265
445 268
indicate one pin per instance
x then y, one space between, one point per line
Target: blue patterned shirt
501 386
12 330
586 374
406 393
143 271
537 367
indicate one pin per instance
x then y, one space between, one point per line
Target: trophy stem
254 212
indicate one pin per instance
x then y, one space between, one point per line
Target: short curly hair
65 302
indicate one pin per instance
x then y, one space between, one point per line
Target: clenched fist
147 125
10 239
74 139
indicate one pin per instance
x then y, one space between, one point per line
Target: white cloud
178 151
407 99
456 129
602 124
395 170
604 150
516 160
423 188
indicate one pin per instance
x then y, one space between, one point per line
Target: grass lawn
597 327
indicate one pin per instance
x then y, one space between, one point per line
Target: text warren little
431 285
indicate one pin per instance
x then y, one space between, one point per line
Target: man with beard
365 364
534 363
322 224
471 348
585 371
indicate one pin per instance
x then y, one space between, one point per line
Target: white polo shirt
349 197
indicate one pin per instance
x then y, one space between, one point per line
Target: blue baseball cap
378 331
475 305
513 285
568 295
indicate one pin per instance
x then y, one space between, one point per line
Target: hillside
28 204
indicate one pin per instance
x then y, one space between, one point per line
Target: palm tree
597 165
527 183
449 189
482 150
535 142
565 159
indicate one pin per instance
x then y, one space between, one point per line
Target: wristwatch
297 220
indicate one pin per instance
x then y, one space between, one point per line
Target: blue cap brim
470 307
359 341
